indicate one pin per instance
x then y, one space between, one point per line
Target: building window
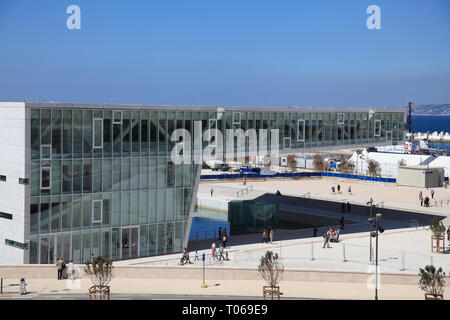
287 143
236 118
46 178
14 244
97 208
5 215
97 137
46 151
340 118
24 181
3 178
377 129
301 130
117 117
389 136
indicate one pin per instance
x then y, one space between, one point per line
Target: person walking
196 256
71 269
221 253
224 240
264 236
348 206
338 188
326 236
92 258
420 194
432 194
245 180
342 223
271 235
59 267
213 250
448 235
220 234
333 191
421 200
349 189
212 191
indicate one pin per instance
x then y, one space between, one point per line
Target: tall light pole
370 203
375 234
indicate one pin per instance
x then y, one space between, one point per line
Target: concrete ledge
189 272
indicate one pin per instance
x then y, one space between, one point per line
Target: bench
102 292
271 291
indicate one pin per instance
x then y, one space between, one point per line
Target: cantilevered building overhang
78 179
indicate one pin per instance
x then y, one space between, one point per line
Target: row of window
106 175
90 133
66 213
24 181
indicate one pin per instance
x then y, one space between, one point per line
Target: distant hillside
431 110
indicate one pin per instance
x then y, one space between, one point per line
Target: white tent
441 162
389 162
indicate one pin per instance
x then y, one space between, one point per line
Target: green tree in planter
374 168
437 228
100 271
270 269
431 280
318 162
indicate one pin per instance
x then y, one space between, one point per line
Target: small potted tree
432 282
100 272
437 229
270 270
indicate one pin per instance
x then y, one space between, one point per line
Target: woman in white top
71 270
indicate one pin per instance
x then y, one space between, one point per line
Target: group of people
332 235
267 236
61 266
185 258
217 253
425 201
337 190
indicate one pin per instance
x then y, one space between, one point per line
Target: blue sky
254 52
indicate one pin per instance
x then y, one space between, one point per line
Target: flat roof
206 108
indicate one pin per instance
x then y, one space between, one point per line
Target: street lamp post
378 229
370 202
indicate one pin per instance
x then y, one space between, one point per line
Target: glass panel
161 212
35 178
170 238
34 249
152 206
67 176
116 175
45 178
96 242
106 209
162 234
87 176
115 244
56 216
126 174
46 127
106 244
97 177
45 245
134 181
125 243
134 214
56 177
144 176
98 133
86 253
35 133
107 134
63 246
76 212
170 201
143 210
116 209
34 218
76 176
152 240
97 211
125 209
134 242
126 133
76 247
87 210
143 241
87 133
45 216
162 178
107 175
153 173
56 133
66 218
77 133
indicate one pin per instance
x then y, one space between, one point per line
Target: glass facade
103 182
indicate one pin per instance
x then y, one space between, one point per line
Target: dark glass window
56 133
24 181
67 133
87 177
45 178
5 215
3 178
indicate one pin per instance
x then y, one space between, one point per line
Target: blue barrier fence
226 176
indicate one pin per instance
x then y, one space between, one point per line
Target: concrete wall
15 149
216 273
